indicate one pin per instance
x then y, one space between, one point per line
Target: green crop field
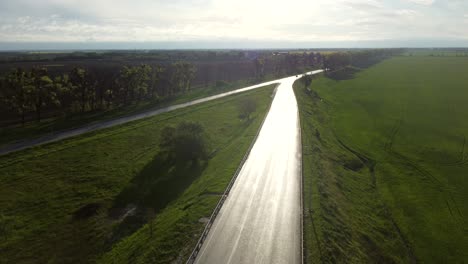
84 200
386 163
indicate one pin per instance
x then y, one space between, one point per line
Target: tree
336 61
188 73
246 108
141 80
307 80
183 143
155 79
19 98
292 63
125 82
41 90
93 88
134 80
259 64
63 88
81 90
178 77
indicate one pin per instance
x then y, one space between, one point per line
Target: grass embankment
385 163
74 201
10 134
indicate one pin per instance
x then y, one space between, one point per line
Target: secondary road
106 124
260 221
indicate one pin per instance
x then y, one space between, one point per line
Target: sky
232 23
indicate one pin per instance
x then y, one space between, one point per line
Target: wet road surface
260 221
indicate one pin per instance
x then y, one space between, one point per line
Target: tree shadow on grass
159 183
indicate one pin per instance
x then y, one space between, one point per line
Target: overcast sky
239 22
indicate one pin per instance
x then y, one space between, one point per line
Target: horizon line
11 46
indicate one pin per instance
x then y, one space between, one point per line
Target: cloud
422 2
363 4
205 20
407 13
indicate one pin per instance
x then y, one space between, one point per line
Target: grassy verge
86 199
33 129
384 163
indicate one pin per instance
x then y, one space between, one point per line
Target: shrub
246 108
184 142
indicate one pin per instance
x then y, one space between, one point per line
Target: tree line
360 59
81 90
40 92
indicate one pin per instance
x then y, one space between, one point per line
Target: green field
461 52
84 200
385 163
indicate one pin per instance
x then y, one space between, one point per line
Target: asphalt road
78 131
260 221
